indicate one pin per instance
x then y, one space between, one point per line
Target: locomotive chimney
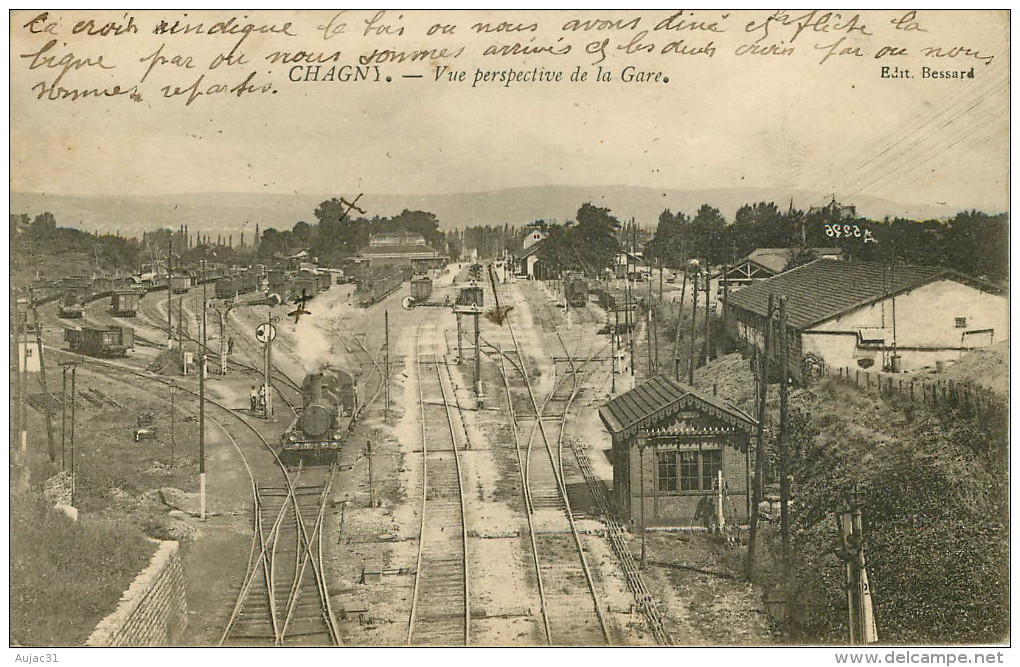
314 386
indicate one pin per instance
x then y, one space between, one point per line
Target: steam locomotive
329 407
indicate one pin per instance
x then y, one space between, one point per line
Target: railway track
440 603
284 597
615 532
561 563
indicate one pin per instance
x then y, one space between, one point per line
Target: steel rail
424 497
559 481
528 507
239 419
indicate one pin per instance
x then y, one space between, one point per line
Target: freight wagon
576 291
373 290
421 288
125 303
303 286
180 284
471 296
226 288
100 342
325 280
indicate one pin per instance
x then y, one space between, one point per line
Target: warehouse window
667 471
961 322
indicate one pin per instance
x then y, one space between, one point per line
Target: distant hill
234 213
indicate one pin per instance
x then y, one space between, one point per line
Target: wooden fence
934 393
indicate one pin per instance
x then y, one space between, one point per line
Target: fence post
857 377
911 390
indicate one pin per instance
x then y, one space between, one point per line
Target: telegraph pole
21 337
759 458
170 293
73 366
478 368
74 391
708 328
648 324
371 484
616 333
269 363
201 406
784 391
63 416
52 448
679 322
173 440
386 317
694 332
180 331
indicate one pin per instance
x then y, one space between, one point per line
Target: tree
707 235
273 242
338 235
594 238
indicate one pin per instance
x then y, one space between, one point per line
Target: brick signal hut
669 444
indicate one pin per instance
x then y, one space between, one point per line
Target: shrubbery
66 576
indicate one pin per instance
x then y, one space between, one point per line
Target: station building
401 249
871 315
526 259
670 444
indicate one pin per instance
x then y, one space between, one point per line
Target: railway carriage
70 306
100 341
329 401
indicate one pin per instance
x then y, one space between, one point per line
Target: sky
722 121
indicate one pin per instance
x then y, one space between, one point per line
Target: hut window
667 471
961 322
689 471
711 463
698 469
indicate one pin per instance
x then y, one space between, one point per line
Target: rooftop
826 288
396 238
658 398
400 249
776 259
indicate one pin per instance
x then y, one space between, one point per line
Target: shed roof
776 259
825 288
400 249
530 250
659 397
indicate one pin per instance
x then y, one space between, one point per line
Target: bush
66 577
934 488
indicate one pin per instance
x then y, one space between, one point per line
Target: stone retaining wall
153 610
